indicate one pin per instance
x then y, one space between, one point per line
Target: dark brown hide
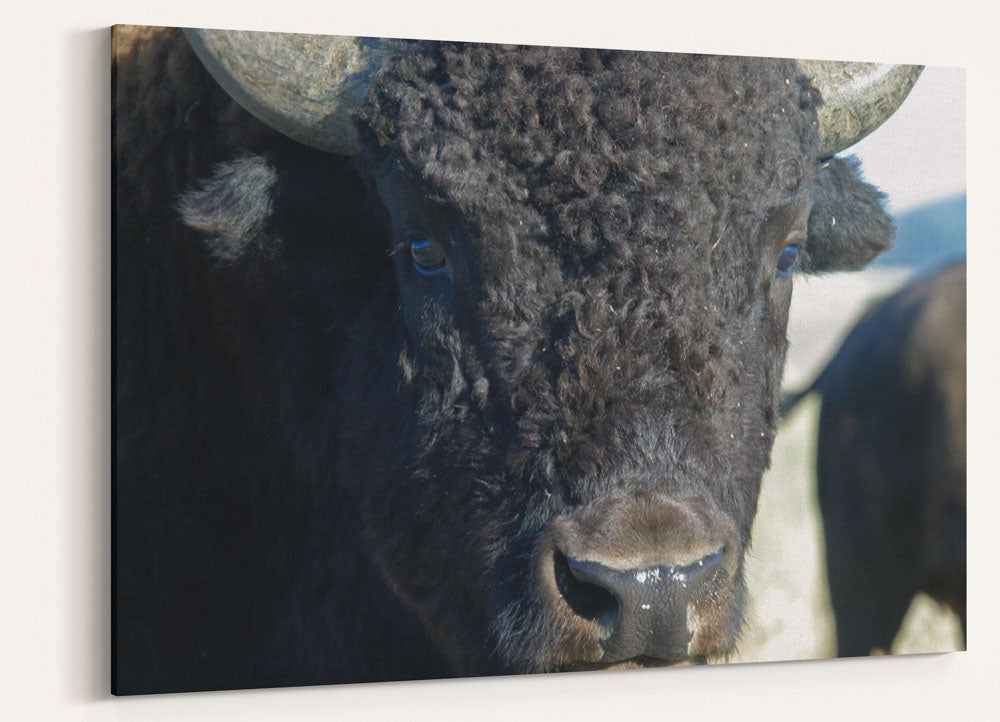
493 396
891 461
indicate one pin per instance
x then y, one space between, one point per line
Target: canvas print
439 359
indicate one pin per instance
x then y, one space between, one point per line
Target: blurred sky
918 155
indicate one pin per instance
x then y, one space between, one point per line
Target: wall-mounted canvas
435 359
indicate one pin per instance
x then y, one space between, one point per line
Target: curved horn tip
304 86
857 98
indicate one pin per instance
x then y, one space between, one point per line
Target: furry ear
848 225
233 206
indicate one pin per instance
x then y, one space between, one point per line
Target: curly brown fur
328 425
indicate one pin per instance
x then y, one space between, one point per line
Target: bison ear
848 225
233 206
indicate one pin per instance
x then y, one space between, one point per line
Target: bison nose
644 611
641 578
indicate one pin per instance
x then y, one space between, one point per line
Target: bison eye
787 259
428 256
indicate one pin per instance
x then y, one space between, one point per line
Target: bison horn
857 98
331 75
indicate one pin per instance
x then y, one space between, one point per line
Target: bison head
543 362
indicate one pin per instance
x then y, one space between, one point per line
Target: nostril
587 600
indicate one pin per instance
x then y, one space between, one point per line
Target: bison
467 360
890 461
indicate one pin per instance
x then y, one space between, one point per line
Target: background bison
493 395
891 461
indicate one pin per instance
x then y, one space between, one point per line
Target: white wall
54 280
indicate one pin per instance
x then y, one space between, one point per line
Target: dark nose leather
645 610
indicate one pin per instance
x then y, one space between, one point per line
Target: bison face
555 400
590 346
586 441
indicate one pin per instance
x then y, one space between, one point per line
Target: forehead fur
589 148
